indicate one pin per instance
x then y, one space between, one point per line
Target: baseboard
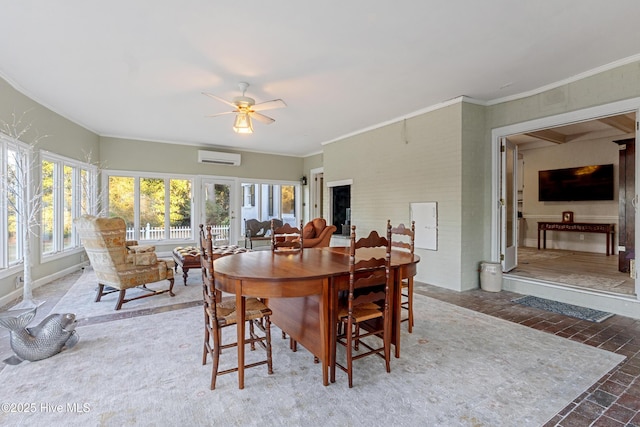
41 282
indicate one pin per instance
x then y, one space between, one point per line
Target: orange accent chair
317 234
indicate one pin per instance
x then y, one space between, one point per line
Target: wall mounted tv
593 182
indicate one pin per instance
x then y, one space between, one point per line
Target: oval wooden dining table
301 288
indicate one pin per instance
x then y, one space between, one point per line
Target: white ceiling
136 69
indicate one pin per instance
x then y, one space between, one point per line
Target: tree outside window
68 199
162 211
14 226
67 190
47 207
122 199
288 200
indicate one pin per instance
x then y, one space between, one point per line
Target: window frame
78 189
8 143
268 201
137 176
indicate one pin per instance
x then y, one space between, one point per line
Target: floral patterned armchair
120 264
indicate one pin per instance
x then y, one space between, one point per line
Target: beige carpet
80 298
458 368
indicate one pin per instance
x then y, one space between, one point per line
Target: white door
508 205
218 209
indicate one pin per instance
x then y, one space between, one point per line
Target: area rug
458 368
579 280
79 300
576 311
527 255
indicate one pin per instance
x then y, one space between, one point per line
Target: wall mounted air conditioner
218 158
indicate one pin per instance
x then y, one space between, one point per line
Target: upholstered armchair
120 264
317 234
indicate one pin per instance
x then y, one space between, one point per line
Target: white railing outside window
157 233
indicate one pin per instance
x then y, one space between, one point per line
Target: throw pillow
308 232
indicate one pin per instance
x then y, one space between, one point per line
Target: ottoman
189 256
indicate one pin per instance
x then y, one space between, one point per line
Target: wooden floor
572 268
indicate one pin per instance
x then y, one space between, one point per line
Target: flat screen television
593 182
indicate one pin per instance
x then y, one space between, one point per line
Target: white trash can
491 276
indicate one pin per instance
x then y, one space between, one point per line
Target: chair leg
216 358
410 297
332 367
386 340
267 333
99 293
205 350
251 334
349 333
120 299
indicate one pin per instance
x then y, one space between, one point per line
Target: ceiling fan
246 109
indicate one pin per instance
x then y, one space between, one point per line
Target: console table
580 227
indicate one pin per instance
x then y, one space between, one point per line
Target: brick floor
615 399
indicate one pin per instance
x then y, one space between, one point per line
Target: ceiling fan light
242 123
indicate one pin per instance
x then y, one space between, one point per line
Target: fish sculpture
55 333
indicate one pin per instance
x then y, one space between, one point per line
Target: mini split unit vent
218 158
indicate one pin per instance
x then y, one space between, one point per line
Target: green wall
126 154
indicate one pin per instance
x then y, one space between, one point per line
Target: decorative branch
23 196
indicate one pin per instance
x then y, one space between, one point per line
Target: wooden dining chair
220 313
403 238
365 317
285 237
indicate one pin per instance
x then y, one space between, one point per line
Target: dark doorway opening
341 207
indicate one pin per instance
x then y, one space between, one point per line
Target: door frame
586 114
234 221
508 205
316 188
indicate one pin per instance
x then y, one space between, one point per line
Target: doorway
341 208
218 200
568 261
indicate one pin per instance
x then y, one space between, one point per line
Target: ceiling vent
218 158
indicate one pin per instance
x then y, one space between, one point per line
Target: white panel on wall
425 214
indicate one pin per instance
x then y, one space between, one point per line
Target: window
67 190
47 212
288 200
45 195
15 168
248 195
271 200
154 207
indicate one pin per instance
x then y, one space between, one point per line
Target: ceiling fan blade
231 104
269 105
222 114
261 118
